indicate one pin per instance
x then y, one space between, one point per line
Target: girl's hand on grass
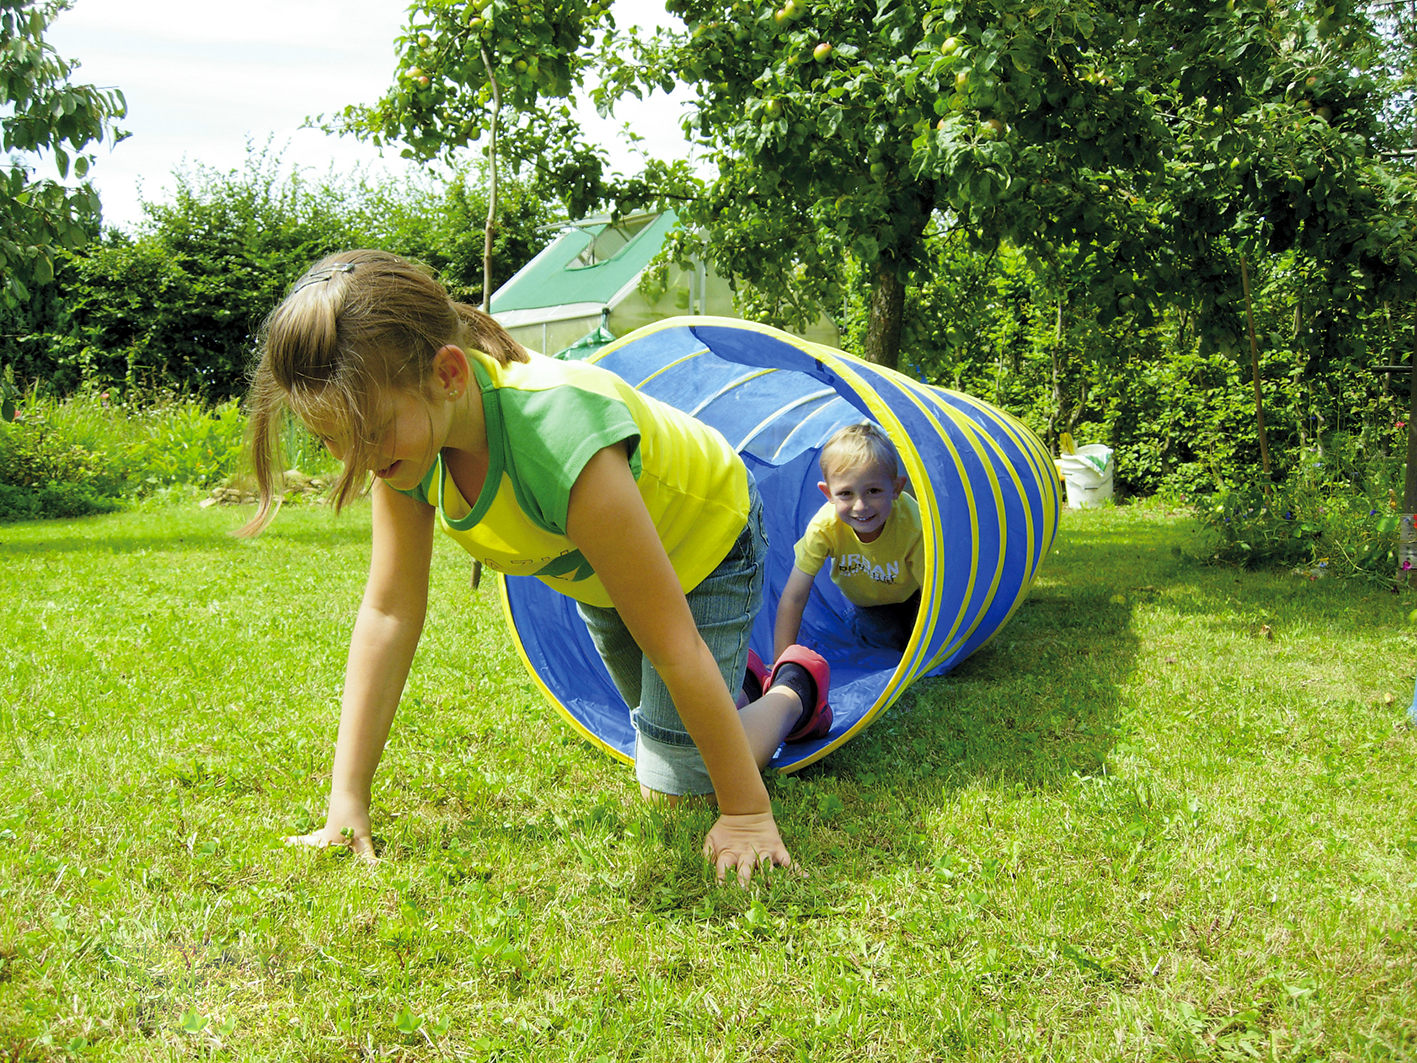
347 824
746 843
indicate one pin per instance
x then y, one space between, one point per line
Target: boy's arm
609 524
790 607
381 650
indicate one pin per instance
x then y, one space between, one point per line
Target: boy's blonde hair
357 326
858 446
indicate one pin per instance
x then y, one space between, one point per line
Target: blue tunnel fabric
989 505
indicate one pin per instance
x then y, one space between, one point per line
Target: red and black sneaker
816 719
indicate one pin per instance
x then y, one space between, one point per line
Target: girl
537 467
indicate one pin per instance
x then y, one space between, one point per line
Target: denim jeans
724 606
886 627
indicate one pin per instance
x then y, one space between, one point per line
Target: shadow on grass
1052 696
1038 705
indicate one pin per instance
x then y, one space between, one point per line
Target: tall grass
95 451
1336 513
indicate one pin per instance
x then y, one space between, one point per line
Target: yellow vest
545 419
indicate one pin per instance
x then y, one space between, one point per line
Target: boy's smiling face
862 498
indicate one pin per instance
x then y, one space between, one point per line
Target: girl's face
404 446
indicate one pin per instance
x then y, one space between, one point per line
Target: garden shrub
175 304
95 451
188 443
53 501
1173 396
45 474
1336 514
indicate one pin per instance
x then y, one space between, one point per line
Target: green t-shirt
546 419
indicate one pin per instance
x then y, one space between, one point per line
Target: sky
204 80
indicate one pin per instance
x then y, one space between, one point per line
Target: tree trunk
883 326
1407 531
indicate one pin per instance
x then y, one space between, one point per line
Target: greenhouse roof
592 262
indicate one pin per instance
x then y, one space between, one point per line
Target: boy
871 531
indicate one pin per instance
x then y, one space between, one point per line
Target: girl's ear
899 485
825 489
451 372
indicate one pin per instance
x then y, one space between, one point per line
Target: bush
189 443
52 501
1337 514
1172 394
96 451
45 472
176 303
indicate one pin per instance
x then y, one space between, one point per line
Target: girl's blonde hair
357 326
858 446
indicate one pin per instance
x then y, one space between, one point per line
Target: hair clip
319 276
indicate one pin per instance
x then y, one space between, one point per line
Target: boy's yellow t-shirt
882 572
545 419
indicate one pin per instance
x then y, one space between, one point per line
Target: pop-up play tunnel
987 488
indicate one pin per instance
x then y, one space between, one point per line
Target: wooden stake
1255 368
1407 530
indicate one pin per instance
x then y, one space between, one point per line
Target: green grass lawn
1167 814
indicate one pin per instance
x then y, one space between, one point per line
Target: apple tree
869 130
41 111
506 70
854 128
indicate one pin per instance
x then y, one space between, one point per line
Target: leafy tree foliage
41 111
1178 411
1158 141
503 69
176 304
440 222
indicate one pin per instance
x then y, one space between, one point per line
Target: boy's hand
347 824
745 843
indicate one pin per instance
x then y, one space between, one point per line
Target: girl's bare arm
381 650
608 522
